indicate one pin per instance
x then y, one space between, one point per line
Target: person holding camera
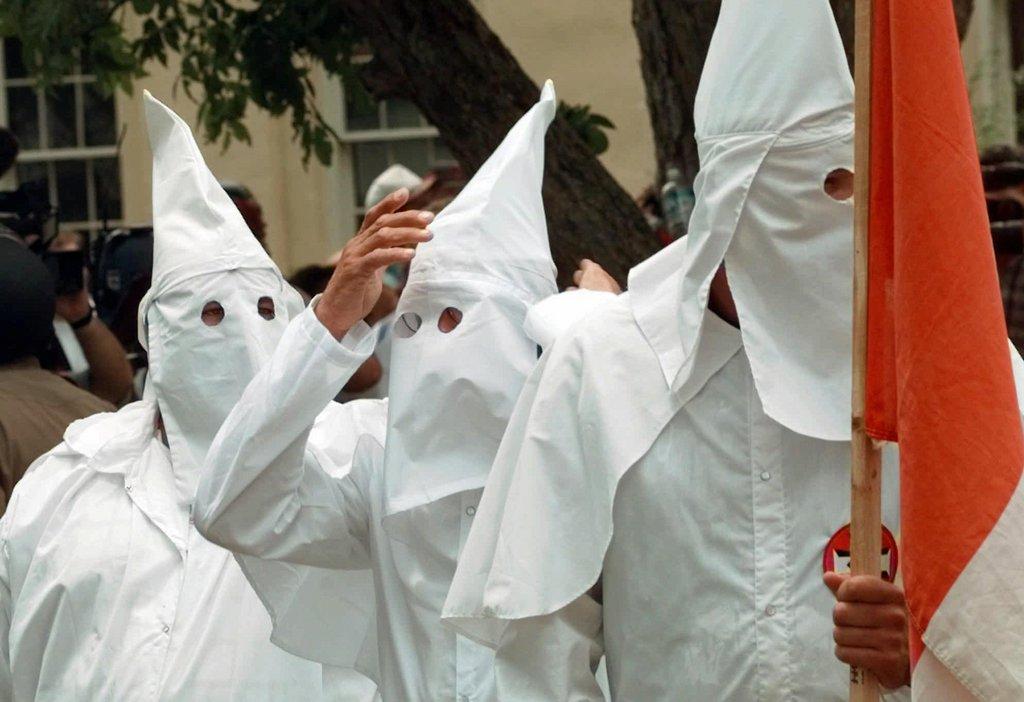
36 405
110 373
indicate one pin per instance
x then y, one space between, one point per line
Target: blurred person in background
8 155
649 202
1003 175
36 406
391 179
249 208
370 380
110 373
310 280
84 345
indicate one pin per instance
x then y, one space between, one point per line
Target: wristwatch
86 318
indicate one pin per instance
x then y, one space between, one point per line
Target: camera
27 212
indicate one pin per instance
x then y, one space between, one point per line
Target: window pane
361 112
370 161
60 116
442 154
414 154
14 67
71 191
24 116
30 172
107 175
100 117
402 113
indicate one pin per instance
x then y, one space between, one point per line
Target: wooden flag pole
866 483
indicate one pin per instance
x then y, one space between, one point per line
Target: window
384 133
68 138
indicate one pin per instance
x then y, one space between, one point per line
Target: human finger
382 258
386 206
833 580
868 615
867 658
389 238
866 637
413 219
870 589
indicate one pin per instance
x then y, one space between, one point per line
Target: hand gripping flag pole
866 475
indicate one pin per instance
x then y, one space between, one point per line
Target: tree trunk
674 36
443 57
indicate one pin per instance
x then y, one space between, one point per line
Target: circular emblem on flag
836 557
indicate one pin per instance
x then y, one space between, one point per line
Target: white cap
393 178
496 225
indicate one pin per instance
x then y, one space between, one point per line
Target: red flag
940 379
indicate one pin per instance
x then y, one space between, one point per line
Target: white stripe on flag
978 630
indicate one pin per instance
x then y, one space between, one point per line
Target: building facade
93 154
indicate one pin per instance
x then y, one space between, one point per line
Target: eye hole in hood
407 325
212 314
265 307
449 319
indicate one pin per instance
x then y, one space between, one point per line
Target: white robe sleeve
282 488
6 681
552 658
266 490
552 316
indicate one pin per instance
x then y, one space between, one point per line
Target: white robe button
766 476
770 610
471 510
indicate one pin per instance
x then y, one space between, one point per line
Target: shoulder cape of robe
321 614
589 411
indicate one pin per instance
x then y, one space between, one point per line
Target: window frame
51 156
381 135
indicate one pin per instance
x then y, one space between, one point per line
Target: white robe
283 485
707 518
108 592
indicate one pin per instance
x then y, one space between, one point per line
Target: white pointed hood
197 228
451 393
774 115
496 225
203 255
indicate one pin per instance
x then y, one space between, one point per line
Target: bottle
676 203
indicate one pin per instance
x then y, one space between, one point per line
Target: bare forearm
110 373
